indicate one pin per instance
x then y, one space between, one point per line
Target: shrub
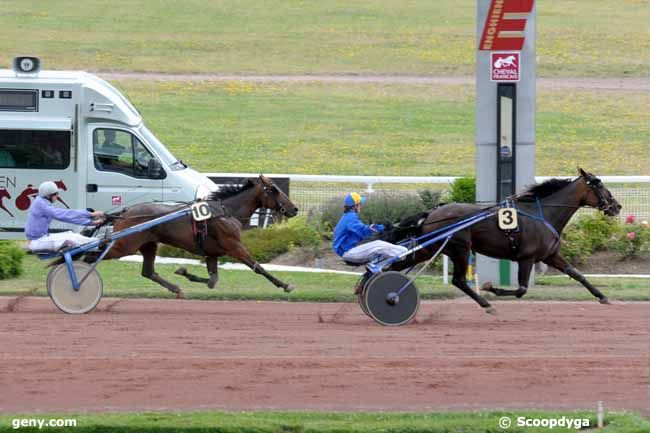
169 251
576 248
329 215
598 229
382 208
589 233
390 207
11 260
430 198
463 190
266 244
632 238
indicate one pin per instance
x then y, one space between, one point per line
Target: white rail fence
312 192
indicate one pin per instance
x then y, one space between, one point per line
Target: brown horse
242 202
222 235
544 210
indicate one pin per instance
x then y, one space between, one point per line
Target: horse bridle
595 185
268 190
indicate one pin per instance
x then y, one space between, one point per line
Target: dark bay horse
543 212
222 237
242 202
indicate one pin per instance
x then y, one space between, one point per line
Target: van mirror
154 169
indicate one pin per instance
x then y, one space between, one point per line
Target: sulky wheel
49 276
383 302
69 300
361 296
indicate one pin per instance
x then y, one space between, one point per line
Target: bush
463 190
430 198
632 238
382 208
169 251
11 260
576 248
589 233
266 244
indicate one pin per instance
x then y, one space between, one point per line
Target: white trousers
365 252
54 241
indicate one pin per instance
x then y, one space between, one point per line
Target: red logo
116 200
24 200
505 66
505 24
5 194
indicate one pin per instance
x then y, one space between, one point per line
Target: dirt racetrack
134 355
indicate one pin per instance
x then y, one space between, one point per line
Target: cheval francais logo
505 66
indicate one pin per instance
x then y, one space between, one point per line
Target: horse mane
544 189
230 190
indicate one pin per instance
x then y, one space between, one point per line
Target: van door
122 171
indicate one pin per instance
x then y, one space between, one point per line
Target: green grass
122 279
316 422
575 38
380 129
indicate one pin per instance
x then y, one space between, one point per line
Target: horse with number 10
231 208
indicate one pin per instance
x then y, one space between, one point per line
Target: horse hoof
604 301
180 295
491 310
288 288
181 271
487 287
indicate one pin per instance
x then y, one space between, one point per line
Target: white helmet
47 188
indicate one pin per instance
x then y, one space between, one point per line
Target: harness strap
200 232
539 217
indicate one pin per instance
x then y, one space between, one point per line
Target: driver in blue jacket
350 231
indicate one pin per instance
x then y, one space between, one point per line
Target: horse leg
459 280
523 276
212 265
148 251
559 263
240 253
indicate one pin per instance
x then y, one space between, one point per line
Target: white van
76 129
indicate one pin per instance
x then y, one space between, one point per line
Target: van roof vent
26 65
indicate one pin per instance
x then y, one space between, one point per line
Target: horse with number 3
526 231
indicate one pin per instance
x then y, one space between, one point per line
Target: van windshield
170 160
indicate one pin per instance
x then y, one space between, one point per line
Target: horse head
61 185
406 228
4 193
272 197
596 195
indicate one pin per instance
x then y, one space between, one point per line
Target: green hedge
381 207
463 190
265 244
11 260
597 232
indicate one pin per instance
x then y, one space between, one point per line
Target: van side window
122 152
30 149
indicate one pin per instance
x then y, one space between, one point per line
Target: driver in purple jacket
43 211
